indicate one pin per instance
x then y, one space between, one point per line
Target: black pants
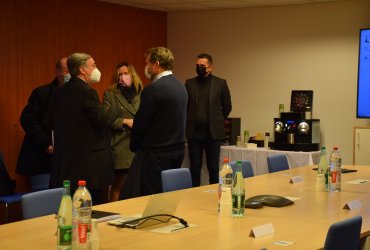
144 176
196 145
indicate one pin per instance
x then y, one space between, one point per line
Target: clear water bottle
225 186
238 141
335 164
82 208
238 191
64 241
266 139
322 181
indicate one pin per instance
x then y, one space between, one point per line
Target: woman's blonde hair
136 81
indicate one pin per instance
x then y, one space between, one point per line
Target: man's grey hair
75 61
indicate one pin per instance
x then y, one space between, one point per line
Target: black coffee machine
296 130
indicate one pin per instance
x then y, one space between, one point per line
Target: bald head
61 70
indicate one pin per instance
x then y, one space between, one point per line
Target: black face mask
201 70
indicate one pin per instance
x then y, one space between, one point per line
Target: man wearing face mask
209 105
124 97
158 132
80 123
35 155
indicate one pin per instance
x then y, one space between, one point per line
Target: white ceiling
191 5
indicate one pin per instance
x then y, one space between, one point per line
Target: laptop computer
163 203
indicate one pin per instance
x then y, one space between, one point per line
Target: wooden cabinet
361 145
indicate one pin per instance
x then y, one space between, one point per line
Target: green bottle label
65 235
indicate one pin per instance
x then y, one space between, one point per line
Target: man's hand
49 150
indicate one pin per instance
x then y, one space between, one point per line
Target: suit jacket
81 140
32 159
219 106
120 135
160 119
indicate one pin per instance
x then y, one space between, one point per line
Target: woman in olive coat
123 97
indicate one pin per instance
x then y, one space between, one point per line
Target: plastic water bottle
64 241
238 191
82 208
266 140
322 181
335 163
238 141
246 136
225 186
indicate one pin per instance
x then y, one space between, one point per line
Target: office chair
41 203
277 163
40 182
176 179
344 234
12 203
247 169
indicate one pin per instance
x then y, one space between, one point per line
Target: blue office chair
176 179
40 182
344 234
277 163
11 202
247 169
41 203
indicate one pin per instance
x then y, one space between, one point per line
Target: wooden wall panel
9 84
36 33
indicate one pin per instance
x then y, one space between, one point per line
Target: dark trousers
196 145
144 176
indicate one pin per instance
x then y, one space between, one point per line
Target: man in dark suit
35 155
81 142
158 132
209 105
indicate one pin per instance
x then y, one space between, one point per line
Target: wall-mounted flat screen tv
363 79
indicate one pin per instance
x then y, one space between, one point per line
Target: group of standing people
135 133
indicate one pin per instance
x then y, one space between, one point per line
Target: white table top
258 158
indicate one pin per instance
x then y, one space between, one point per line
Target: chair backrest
247 169
40 182
41 203
176 179
277 163
344 234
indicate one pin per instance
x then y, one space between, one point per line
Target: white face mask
66 78
147 74
95 76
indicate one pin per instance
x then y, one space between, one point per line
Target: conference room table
304 224
258 159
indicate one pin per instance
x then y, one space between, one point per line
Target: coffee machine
296 130
296 133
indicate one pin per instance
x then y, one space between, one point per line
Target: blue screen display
363 84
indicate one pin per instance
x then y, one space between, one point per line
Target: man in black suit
35 155
209 105
81 142
158 132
